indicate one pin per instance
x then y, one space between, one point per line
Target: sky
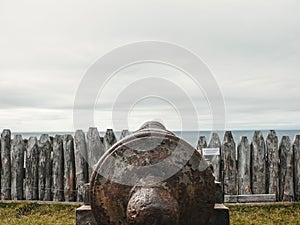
252 48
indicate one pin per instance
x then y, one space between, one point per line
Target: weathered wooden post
124 133
229 158
58 169
272 163
201 144
296 149
69 166
5 165
95 147
45 168
216 162
258 159
286 184
17 167
243 175
80 164
32 164
109 139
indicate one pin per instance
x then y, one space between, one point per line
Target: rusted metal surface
152 205
128 188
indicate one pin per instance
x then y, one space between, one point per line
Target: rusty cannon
152 177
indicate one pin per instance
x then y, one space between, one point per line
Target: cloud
251 47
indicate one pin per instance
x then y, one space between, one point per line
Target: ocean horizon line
206 130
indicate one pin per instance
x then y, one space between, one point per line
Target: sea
191 137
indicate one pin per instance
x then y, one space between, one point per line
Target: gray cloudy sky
251 47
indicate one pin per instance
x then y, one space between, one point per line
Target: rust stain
187 197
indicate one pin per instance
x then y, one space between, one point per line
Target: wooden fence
57 168
262 166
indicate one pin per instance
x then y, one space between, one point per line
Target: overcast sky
251 47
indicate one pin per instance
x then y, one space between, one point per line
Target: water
189 136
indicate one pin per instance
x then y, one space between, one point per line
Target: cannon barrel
152 177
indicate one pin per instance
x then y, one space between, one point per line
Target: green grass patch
29 213
265 214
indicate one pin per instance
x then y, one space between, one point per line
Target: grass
29 213
266 214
